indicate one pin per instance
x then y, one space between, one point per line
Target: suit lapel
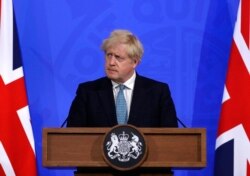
106 96
137 99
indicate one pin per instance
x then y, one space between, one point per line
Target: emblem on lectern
124 147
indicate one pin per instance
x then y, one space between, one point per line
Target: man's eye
117 57
109 54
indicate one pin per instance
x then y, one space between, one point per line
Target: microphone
182 124
64 122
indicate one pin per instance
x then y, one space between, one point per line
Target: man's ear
136 62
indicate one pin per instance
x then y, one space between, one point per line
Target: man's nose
112 60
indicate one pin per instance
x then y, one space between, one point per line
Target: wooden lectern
82 147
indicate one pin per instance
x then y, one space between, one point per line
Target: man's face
118 66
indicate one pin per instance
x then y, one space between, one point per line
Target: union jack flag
232 157
17 151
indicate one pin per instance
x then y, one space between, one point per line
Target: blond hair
133 45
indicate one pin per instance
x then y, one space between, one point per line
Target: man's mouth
112 70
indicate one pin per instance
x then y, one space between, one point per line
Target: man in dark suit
148 103
151 105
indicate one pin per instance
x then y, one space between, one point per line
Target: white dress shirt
128 90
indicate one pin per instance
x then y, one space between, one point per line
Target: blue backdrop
187 44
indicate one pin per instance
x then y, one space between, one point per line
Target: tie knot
121 87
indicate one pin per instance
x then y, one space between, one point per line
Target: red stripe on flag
248 168
1 171
245 21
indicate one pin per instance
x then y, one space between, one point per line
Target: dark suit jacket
94 105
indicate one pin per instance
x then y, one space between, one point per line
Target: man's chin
111 76
114 78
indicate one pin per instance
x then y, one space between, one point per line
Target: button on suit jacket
94 105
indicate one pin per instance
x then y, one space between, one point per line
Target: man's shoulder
145 84
150 81
95 84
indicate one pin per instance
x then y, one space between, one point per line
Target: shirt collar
129 83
